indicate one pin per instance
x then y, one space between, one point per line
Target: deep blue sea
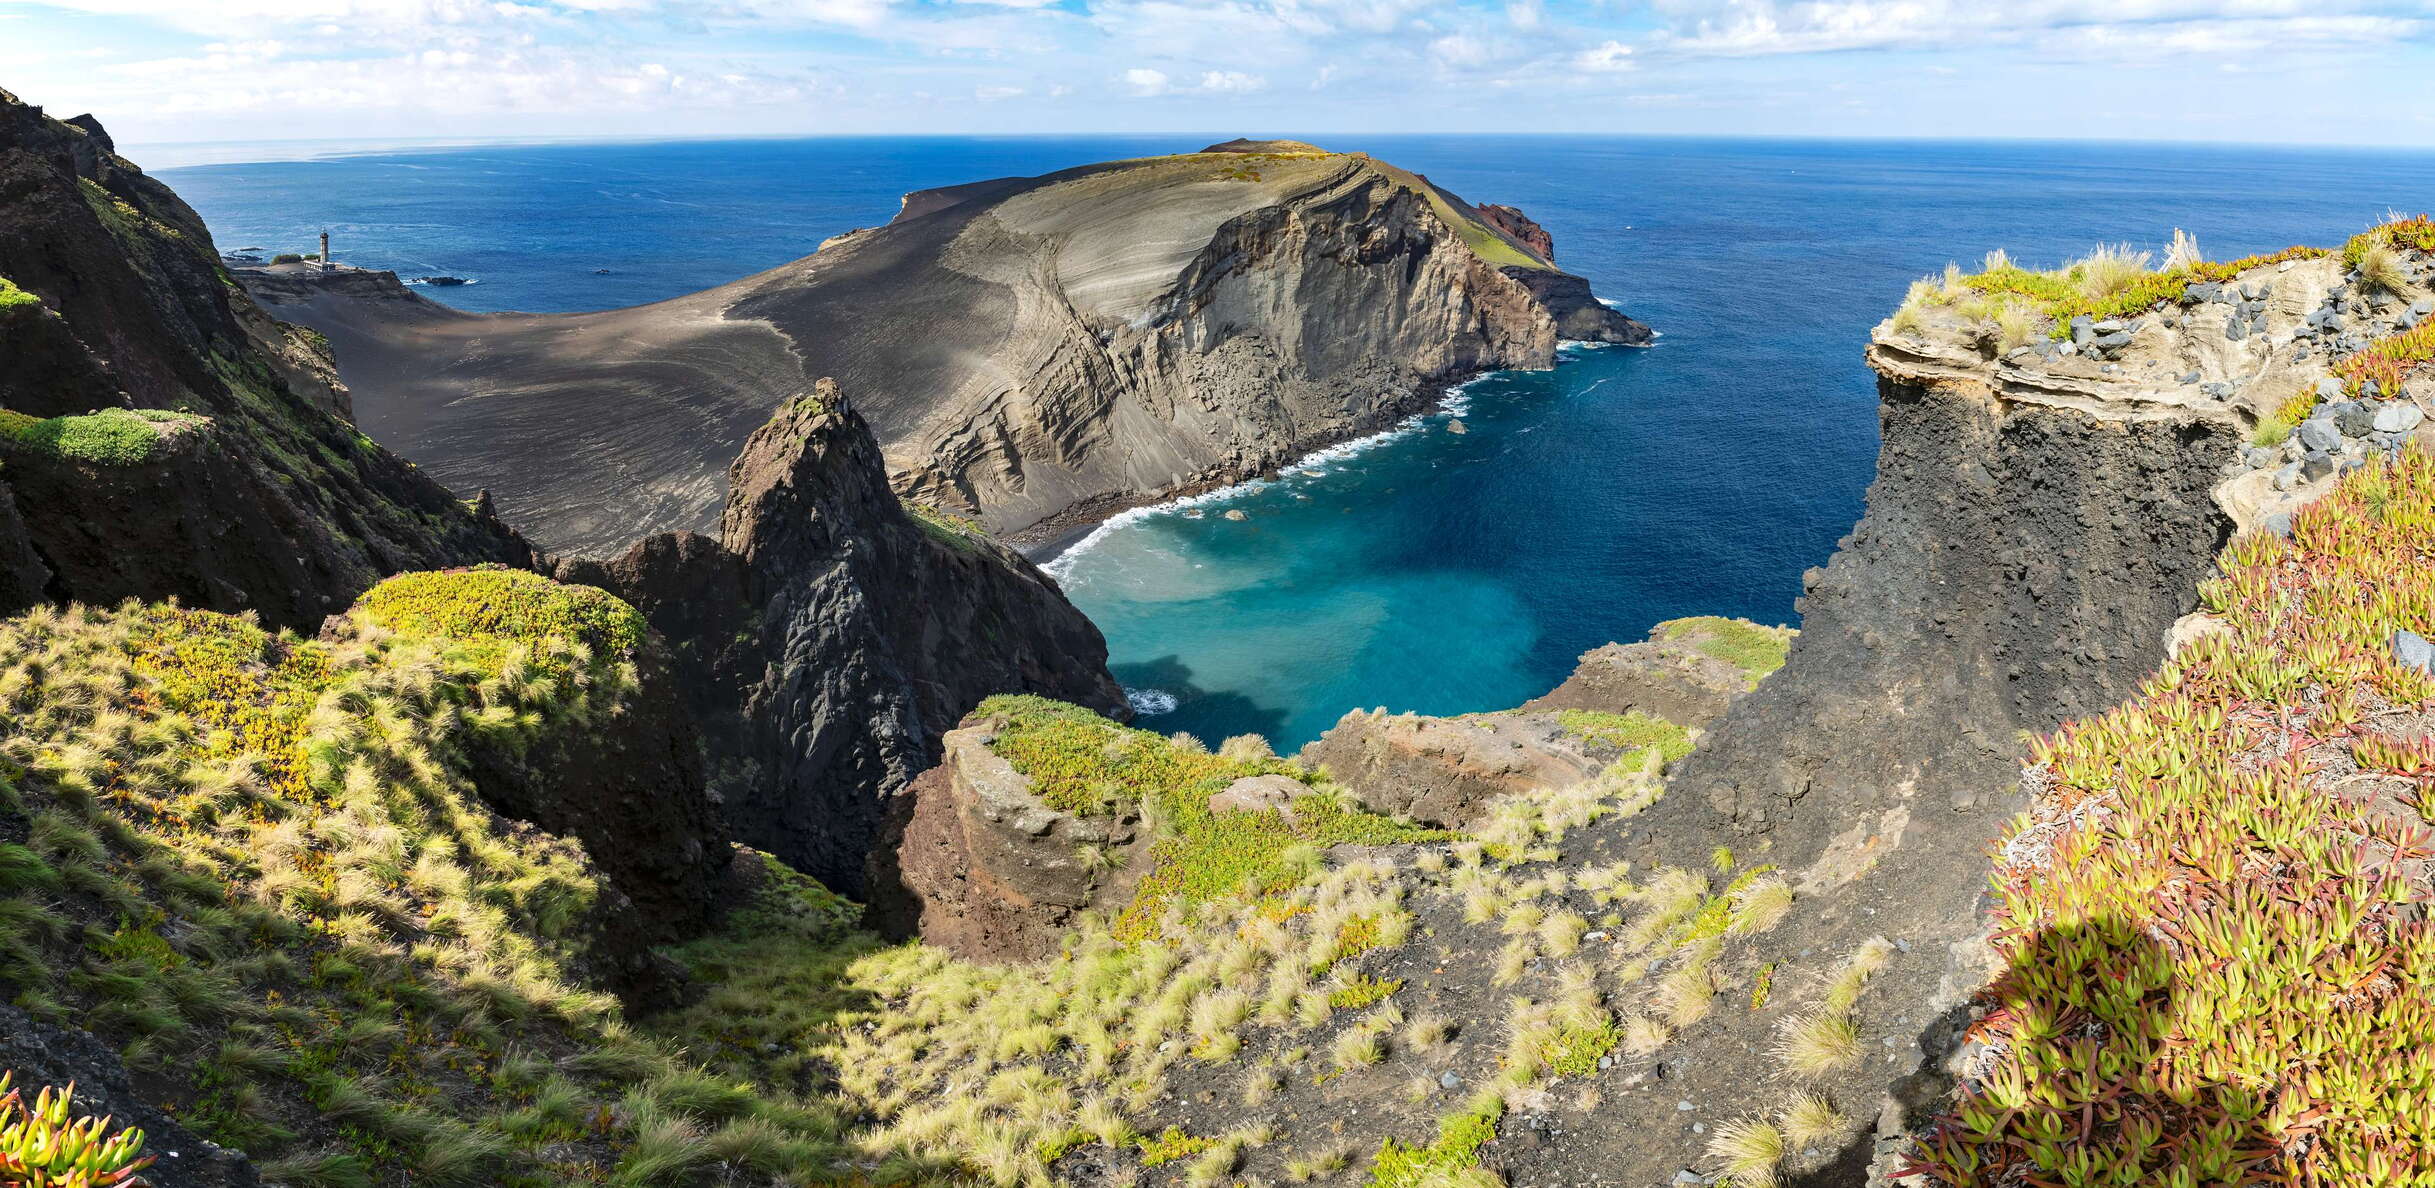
1429 570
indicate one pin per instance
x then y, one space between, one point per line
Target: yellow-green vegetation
1745 645
1083 763
945 526
2359 255
13 298
110 437
486 614
252 862
2218 969
1457 1149
2110 282
2387 360
2116 282
1628 731
47 1145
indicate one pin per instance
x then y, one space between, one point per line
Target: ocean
1426 569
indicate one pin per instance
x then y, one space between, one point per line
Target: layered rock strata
1086 340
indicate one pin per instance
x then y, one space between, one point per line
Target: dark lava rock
828 641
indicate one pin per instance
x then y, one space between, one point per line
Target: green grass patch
487 612
944 526
2108 284
110 437
1628 731
1083 763
1459 1139
1745 645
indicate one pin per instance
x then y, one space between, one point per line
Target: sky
172 71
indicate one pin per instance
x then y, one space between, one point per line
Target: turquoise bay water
1429 570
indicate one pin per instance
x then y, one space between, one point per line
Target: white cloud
1607 58
1145 81
996 94
1745 28
1232 82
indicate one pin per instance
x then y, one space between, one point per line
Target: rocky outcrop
1666 676
1446 771
830 639
43 1056
269 504
990 873
1520 228
1087 340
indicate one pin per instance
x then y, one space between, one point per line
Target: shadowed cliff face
830 639
1030 350
260 500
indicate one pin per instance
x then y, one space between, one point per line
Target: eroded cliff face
259 498
829 639
1031 351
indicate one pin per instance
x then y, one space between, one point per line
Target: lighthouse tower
326 264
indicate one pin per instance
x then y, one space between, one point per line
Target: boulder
1446 772
2397 417
1258 794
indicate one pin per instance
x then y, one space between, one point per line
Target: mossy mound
488 612
110 437
13 298
2220 969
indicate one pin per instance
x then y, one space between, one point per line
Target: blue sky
162 71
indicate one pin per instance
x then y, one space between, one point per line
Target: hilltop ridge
1089 339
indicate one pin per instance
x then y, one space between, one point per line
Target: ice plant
2218 969
41 1146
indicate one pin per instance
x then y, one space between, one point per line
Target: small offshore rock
1236 514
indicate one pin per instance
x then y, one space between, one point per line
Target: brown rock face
1524 229
272 505
992 873
1446 771
828 641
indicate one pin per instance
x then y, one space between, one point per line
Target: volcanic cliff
1029 351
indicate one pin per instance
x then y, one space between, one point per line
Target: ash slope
1031 350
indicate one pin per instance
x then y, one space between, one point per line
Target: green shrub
287 258
13 298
